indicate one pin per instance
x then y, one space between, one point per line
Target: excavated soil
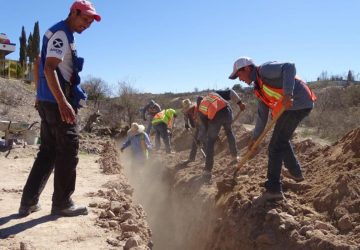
321 212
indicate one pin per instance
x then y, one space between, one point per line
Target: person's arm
66 111
235 98
158 108
261 119
126 144
147 141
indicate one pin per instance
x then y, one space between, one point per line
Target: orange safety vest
211 104
272 97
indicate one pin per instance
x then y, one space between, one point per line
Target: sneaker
268 196
26 210
74 210
289 175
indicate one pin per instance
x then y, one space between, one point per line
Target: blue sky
176 46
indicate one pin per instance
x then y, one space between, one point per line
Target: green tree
35 43
29 47
23 47
96 89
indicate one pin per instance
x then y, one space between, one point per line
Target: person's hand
287 101
36 104
67 112
242 106
144 119
121 150
187 127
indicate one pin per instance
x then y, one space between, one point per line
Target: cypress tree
29 48
35 43
23 47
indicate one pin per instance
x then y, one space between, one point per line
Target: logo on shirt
58 43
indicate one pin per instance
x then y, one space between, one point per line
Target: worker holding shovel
215 112
193 125
290 100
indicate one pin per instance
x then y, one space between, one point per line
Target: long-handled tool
252 151
195 140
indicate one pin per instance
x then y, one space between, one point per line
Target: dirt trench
178 217
321 212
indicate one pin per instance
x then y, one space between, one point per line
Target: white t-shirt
59 47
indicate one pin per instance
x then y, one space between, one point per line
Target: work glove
169 132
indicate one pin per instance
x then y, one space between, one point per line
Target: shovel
252 151
201 149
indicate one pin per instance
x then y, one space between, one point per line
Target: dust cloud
175 221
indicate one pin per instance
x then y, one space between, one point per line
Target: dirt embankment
320 213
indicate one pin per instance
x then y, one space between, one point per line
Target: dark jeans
199 140
223 118
280 148
161 131
58 151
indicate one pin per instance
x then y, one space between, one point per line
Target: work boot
288 174
26 210
73 210
268 196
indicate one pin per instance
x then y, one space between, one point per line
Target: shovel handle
252 150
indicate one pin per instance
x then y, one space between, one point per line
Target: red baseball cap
87 8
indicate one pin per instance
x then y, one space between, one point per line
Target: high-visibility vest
211 104
166 116
272 97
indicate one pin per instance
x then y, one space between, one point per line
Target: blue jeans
223 118
280 148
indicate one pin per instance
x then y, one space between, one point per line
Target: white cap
240 63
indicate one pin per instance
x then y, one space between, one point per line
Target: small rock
93 204
113 223
304 229
125 216
103 214
116 207
132 242
113 242
324 226
344 223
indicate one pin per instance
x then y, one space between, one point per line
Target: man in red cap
58 99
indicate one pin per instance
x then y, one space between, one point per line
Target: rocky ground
168 205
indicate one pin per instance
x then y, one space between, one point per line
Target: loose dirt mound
320 213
